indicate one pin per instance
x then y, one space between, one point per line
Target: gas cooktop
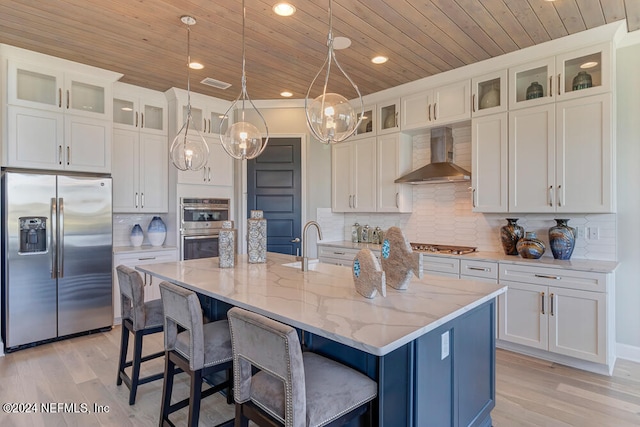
442 249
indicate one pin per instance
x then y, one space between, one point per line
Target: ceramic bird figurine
368 275
399 262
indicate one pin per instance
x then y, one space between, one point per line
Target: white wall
628 177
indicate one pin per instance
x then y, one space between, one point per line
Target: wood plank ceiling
145 40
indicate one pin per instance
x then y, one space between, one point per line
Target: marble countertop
324 300
143 248
590 265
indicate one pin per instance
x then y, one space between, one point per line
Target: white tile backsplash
442 213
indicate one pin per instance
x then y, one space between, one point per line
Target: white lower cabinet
563 312
338 256
151 284
441 266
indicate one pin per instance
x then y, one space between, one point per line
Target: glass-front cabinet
578 73
135 108
531 84
47 89
489 93
368 123
584 72
206 121
389 116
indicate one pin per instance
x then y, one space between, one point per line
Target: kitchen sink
313 264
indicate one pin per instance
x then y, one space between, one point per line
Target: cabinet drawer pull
355 201
544 276
551 304
558 84
59 154
542 298
146 258
350 196
479 268
550 196
397 200
435 108
559 198
68 155
142 199
59 97
136 125
141 120
473 197
473 103
136 200
68 96
429 112
339 253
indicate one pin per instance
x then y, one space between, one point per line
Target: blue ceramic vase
562 239
157 231
137 236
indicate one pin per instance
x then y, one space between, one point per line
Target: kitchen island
431 348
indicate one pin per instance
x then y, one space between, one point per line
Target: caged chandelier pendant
330 116
189 150
243 140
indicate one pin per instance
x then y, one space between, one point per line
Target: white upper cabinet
353 176
489 94
489 170
140 150
394 160
39 86
135 108
218 170
561 157
207 118
58 113
578 73
442 105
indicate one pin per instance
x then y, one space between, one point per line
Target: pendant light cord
244 75
189 70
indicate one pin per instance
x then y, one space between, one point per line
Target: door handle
61 245
136 119
53 207
136 200
551 304
542 298
59 97
68 155
68 96
473 103
59 154
142 199
429 112
296 240
141 120
473 198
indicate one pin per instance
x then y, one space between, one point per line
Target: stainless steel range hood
441 169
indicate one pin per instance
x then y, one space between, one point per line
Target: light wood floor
530 392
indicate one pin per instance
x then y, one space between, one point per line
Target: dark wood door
274 186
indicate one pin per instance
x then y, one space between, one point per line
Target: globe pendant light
189 150
330 116
243 140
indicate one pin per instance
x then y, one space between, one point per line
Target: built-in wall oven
201 221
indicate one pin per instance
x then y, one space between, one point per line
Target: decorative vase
257 238
582 81
157 231
535 91
530 246
562 239
491 98
227 245
510 234
137 236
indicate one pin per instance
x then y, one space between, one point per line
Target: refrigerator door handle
52 236
60 248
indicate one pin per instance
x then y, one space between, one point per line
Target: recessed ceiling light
379 59
196 66
341 43
589 64
284 9
286 94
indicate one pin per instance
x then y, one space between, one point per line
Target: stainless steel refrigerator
56 264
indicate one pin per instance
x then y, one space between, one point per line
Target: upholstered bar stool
292 388
196 348
138 318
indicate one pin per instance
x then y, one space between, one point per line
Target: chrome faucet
305 260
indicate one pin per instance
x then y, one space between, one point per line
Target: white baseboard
628 352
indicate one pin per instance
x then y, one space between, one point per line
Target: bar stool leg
124 347
194 398
230 388
135 373
167 388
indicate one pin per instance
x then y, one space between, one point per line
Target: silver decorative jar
257 238
227 245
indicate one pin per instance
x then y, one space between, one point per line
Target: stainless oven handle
208 236
205 208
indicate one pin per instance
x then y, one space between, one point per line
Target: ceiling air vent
215 83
